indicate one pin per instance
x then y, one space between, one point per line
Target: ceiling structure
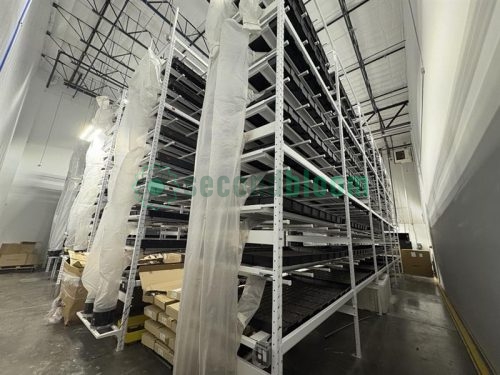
93 46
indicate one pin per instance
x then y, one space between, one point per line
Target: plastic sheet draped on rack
83 208
211 322
107 258
68 195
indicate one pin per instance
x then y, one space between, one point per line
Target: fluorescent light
86 133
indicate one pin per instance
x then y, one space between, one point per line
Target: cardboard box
160 280
12 260
148 298
417 262
161 300
167 321
148 340
152 312
161 332
175 293
32 259
173 310
171 344
18 254
78 258
18 248
73 294
164 351
172 258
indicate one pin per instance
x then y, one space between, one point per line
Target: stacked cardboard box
73 294
161 327
158 283
18 254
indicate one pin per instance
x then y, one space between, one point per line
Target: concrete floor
417 336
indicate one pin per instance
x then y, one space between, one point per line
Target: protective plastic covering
210 325
84 206
68 195
107 258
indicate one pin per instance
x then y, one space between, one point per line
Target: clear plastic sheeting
84 206
68 195
107 258
209 328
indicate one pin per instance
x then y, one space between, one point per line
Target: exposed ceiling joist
392 91
355 45
396 115
386 52
338 18
388 107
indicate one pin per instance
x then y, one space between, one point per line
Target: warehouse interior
249 186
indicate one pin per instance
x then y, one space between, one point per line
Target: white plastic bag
68 196
84 206
107 258
209 327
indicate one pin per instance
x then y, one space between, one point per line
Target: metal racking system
365 221
300 119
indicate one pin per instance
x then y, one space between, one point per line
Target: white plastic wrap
209 327
68 195
251 12
84 206
107 258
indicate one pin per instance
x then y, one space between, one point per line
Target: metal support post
145 197
107 169
278 235
365 171
382 225
348 216
389 215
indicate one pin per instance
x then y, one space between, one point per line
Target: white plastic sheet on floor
107 258
68 195
84 205
210 323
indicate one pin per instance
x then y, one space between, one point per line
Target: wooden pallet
25 268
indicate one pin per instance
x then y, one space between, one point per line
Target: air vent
402 155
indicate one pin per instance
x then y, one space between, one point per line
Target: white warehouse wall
455 110
37 160
409 208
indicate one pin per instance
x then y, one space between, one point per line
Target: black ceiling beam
371 59
391 135
385 119
396 115
91 36
113 25
157 12
395 127
357 51
388 107
338 18
385 94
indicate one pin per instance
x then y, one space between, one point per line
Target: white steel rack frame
120 331
127 303
372 207
279 344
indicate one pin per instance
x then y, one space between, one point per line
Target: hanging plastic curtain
107 258
84 205
68 195
209 330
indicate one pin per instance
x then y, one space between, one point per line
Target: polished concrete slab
417 336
